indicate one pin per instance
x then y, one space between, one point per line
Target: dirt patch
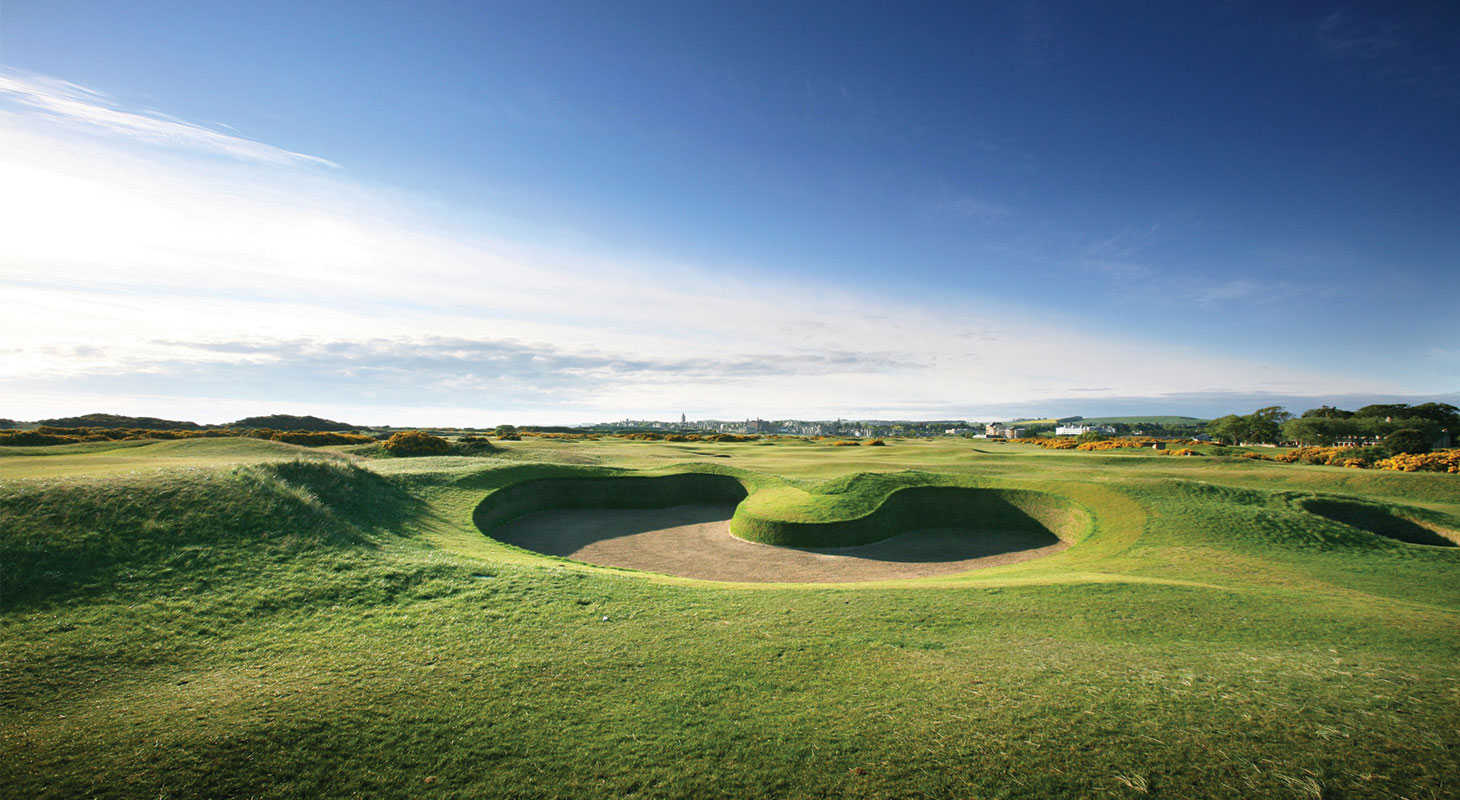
694 541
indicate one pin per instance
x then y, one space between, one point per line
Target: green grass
216 618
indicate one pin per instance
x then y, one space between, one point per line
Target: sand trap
694 541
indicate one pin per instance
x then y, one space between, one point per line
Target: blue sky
470 213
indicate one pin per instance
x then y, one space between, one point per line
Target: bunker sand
694 541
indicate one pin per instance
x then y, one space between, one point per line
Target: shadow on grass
1376 520
944 544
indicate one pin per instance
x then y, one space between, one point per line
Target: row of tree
1402 427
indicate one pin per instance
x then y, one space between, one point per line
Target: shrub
1109 444
1437 461
1333 456
877 443
319 438
1406 441
416 443
473 445
843 444
34 439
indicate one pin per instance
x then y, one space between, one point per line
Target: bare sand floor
694 541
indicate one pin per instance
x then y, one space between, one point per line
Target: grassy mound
922 507
61 539
860 508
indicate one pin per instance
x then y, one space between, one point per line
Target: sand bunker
694 541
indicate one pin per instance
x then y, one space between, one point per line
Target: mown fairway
226 618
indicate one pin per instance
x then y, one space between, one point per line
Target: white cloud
76 105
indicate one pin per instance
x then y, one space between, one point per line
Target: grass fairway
226 618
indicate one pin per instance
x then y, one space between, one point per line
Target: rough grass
297 630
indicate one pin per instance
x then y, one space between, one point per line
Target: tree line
1400 427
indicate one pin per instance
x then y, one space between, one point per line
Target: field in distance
219 618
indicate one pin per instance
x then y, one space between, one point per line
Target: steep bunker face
681 525
1381 522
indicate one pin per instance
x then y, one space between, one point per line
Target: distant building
1076 430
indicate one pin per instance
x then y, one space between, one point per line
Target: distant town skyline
569 211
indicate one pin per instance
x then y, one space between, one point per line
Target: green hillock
111 421
290 422
64 539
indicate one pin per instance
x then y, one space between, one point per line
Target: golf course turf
225 618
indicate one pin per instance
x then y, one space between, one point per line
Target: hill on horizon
111 421
290 422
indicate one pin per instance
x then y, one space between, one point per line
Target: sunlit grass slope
205 622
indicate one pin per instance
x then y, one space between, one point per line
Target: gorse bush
473 445
1437 461
1369 457
46 435
417 443
1113 444
319 438
1087 444
1333 456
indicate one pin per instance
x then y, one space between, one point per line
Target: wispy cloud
438 358
1395 51
974 208
90 110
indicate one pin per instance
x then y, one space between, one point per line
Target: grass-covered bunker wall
924 507
549 494
900 510
1376 519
